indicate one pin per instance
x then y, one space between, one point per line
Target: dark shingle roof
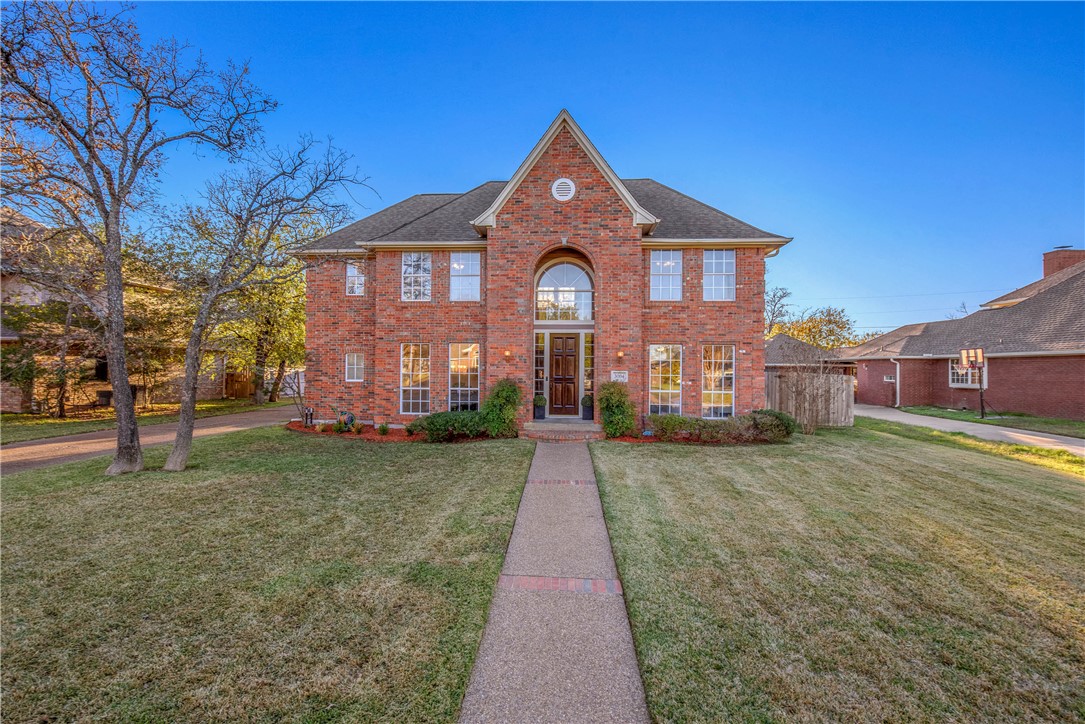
783 349
1030 290
447 218
1050 320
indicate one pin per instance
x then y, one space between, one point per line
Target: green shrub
442 426
339 427
752 428
587 401
538 401
500 407
789 422
616 409
382 429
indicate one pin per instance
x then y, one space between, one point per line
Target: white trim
723 376
896 382
768 241
478 373
403 276
681 372
680 274
358 274
347 366
967 385
453 275
705 276
429 378
641 216
535 290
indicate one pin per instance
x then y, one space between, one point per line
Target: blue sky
920 154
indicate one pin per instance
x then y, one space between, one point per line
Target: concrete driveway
987 432
32 454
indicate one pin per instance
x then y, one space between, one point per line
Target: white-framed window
889 378
414 379
355 280
465 276
665 283
665 379
717 380
463 376
354 367
969 379
417 272
719 275
564 292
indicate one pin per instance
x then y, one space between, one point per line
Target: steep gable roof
443 219
1051 320
641 216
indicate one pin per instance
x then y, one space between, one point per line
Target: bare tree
243 235
776 307
88 113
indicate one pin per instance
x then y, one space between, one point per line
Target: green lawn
1019 421
877 573
282 577
20 428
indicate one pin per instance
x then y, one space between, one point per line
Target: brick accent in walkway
557 646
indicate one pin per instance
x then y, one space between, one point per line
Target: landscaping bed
859 574
280 578
369 433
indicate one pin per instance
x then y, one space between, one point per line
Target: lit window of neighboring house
354 365
719 275
417 268
970 378
355 280
665 379
666 275
465 276
414 379
717 380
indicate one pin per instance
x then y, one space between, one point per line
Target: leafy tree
88 114
824 327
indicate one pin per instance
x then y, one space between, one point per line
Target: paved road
987 432
20 456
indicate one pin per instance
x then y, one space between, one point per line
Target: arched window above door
564 292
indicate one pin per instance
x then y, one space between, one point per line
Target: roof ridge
435 208
709 206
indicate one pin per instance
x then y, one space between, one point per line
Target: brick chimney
1061 258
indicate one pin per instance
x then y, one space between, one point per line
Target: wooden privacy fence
832 396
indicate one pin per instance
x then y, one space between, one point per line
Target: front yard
16 427
864 574
1019 421
282 576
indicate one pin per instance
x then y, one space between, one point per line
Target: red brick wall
1044 386
595 223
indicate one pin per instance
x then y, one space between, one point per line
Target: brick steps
572 431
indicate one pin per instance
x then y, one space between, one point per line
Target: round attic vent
563 189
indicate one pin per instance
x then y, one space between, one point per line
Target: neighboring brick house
561 278
1033 339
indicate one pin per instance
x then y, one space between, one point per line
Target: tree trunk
259 368
182 441
280 373
62 364
128 457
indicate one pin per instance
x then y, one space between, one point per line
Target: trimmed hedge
496 418
757 427
789 422
441 426
616 409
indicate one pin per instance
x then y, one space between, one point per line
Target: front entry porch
563 429
564 371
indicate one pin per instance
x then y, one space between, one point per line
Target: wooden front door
564 381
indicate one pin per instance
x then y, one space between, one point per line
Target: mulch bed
634 438
368 433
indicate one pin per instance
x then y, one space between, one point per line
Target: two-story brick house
561 278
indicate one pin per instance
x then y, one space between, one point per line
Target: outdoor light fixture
508 353
621 354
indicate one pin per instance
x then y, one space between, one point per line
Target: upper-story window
719 275
355 280
564 292
666 275
465 276
417 272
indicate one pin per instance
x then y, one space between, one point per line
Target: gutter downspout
897 379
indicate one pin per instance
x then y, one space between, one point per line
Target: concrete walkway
557 646
979 429
19 456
